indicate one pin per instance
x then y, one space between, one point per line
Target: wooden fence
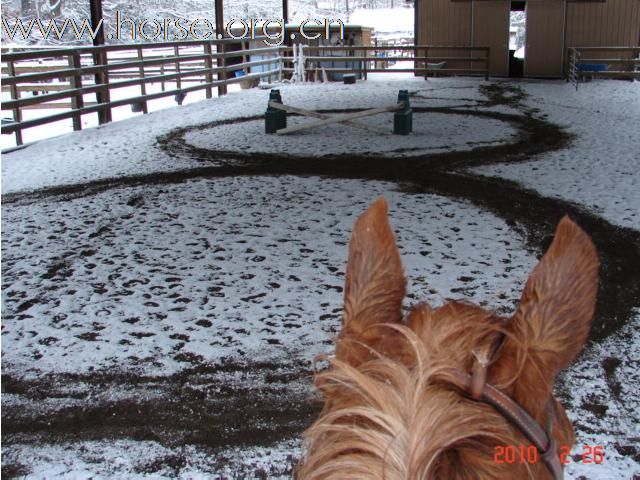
427 59
59 78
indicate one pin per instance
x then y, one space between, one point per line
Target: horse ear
375 283
558 302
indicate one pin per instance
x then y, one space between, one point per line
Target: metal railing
603 62
61 78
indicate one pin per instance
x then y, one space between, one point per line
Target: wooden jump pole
311 113
341 118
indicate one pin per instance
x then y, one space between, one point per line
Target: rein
475 384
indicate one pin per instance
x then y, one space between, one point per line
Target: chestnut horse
455 392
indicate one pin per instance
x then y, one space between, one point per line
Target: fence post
176 53
102 78
375 54
245 58
365 54
426 64
487 64
222 75
208 64
143 85
77 101
15 95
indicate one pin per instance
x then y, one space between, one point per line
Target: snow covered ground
600 170
153 279
222 268
431 136
592 386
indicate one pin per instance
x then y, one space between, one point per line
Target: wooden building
552 26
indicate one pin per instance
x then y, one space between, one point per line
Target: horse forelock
395 418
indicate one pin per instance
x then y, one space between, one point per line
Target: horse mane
397 420
395 407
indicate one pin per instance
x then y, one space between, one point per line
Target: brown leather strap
551 457
483 359
513 412
478 380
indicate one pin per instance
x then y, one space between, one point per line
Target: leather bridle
476 386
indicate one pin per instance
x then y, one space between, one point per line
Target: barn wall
466 23
614 23
445 22
588 23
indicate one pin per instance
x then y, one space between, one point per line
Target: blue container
592 67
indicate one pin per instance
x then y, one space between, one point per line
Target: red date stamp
529 454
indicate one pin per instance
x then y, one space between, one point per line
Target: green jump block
274 119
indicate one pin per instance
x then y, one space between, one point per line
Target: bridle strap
513 412
481 366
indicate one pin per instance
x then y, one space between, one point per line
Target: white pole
340 118
295 64
301 60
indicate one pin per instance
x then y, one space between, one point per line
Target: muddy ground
181 409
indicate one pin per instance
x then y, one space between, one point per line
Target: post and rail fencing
603 62
364 59
60 78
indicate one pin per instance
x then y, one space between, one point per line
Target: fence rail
603 62
60 78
